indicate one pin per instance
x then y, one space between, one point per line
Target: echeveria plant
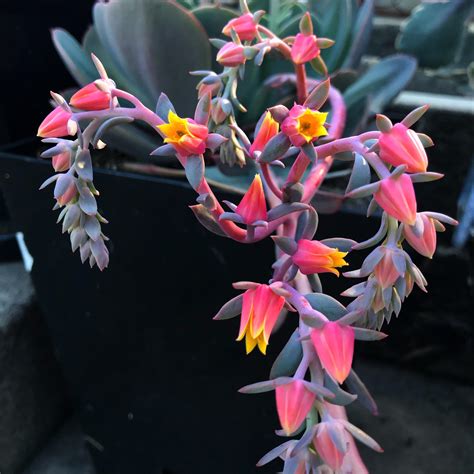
131 37
309 373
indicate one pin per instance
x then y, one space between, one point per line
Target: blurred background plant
437 34
148 46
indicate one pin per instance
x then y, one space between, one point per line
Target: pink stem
270 180
301 83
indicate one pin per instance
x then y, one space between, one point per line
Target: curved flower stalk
309 373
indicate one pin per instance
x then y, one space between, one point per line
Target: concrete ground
425 426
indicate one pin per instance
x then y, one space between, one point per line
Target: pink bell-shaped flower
62 161
402 146
305 48
334 345
55 124
294 401
185 135
90 98
313 256
231 55
385 271
253 207
268 129
424 244
396 196
326 447
244 26
260 310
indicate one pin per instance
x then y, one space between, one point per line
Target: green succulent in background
148 46
437 33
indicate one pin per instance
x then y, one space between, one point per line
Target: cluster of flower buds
74 190
309 372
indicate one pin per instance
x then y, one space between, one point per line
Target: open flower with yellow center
186 136
304 125
260 310
313 256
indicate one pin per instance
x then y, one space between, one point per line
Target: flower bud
385 271
55 124
326 447
402 146
313 256
294 401
304 49
220 109
268 129
260 310
231 55
68 195
304 125
396 196
211 89
253 207
424 244
62 161
334 345
244 26
90 98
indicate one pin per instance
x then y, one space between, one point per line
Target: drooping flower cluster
308 374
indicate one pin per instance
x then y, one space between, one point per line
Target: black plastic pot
153 377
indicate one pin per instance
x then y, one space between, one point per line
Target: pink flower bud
396 196
90 98
304 125
425 244
334 345
68 195
313 256
385 271
294 401
260 310
61 162
244 26
304 49
208 89
402 146
268 129
55 124
231 55
325 446
253 207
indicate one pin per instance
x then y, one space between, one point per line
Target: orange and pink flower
184 134
334 345
304 125
260 310
268 129
294 401
313 256
253 206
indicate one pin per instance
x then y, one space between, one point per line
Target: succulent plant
436 32
150 45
